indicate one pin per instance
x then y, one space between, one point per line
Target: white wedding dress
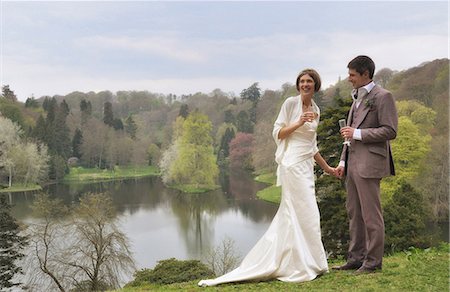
291 250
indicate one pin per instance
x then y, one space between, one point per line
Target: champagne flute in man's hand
343 123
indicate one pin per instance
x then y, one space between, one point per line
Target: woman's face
306 85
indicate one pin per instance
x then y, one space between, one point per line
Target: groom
371 124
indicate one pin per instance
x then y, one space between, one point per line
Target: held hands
339 172
332 171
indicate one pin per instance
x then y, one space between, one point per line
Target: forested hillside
107 130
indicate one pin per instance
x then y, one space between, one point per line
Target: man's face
356 79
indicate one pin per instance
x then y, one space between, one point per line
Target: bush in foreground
172 271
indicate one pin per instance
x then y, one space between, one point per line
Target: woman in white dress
291 250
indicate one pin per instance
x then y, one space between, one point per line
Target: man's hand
339 171
347 132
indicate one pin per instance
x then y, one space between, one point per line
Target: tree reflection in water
163 223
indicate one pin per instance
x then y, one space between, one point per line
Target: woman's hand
306 117
330 170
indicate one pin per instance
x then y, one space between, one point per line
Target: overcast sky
50 48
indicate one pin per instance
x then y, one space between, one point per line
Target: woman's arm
323 164
287 130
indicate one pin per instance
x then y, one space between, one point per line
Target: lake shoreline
91 175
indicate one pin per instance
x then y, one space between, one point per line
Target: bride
291 250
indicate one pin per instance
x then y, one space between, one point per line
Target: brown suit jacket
377 118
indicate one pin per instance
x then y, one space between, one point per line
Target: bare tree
223 258
80 251
44 256
101 252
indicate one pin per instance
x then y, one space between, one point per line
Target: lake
162 223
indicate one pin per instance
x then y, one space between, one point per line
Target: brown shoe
348 266
366 270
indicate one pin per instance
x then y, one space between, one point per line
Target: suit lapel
364 110
350 114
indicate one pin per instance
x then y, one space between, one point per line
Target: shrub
172 271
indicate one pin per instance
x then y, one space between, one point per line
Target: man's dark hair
362 64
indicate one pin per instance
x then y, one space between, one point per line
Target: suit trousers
366 218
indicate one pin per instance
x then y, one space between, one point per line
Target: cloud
167 47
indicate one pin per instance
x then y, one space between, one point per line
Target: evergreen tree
225 141
243 122
131 127
86 110
11 245
229 118
405 217
117 124
64 108
184 110
253 93
39 131
108 116
77 140
8 94
61 142
331 195
31 102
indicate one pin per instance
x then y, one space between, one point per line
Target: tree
241 148
44 263
58 167
31 102
117 124
108 116
77 140
330 192
225 141
253 93
184 110
30 162
383 76
405 218
131 127
223 258
409 150
9 138
101 252
86 110
11 245
95 254
13 112
154 154
8 94
195 164
39 131
243 122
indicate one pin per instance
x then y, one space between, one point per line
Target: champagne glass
312 110
343 123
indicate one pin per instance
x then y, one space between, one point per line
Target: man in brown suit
371 124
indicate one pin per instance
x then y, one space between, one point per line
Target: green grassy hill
413 270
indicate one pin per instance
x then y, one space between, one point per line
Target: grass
21 188
95 174
413 270
272 193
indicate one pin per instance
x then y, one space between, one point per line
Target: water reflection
163 223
